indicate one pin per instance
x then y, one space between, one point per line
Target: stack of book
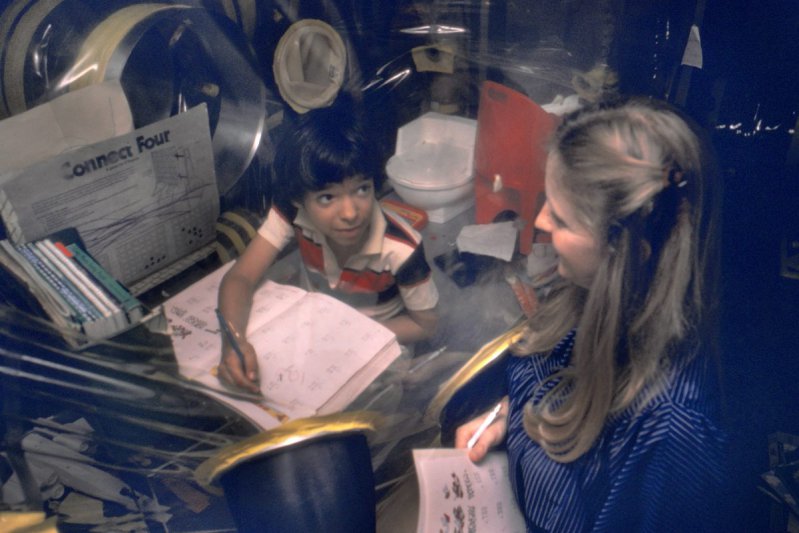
75 291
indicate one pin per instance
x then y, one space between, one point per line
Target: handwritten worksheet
315 353
456 495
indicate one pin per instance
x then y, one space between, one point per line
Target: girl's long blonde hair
633 174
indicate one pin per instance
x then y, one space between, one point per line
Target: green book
132 306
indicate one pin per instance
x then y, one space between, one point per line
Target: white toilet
432 165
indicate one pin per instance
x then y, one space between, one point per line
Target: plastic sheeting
108 438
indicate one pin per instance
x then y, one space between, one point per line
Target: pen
227 331
487 422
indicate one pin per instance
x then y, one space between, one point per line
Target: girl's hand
232 372
491 437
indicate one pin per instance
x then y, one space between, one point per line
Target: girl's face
343 211
578 250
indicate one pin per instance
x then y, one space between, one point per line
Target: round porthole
170 58
309 65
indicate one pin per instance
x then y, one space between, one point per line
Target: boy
326 175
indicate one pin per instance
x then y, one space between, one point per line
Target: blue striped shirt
660 468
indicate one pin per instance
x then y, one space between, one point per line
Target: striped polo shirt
657 468
389 274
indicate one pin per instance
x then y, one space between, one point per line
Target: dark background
750 81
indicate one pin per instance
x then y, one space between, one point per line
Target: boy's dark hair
325 146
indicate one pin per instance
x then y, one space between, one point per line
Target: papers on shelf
75 119
139 201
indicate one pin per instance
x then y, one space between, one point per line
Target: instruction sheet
139 201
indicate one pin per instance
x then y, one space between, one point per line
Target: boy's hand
232 372
493 435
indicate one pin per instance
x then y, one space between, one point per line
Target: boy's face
343 211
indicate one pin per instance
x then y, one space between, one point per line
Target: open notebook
315 353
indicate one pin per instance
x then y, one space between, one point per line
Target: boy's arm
412 326
418 291
234 302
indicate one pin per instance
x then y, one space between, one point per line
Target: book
43 285
78 303
316 354
456 494
88 318
130 304
77 282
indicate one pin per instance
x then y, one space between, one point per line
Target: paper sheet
495 240
314 352
140 201
692 55
458 495
75 119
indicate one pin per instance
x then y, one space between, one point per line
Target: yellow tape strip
488 354
104 39
241 222
288 434
235 238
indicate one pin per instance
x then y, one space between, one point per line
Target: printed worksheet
458 496
315 353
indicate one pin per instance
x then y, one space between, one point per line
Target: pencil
227 331
492 415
